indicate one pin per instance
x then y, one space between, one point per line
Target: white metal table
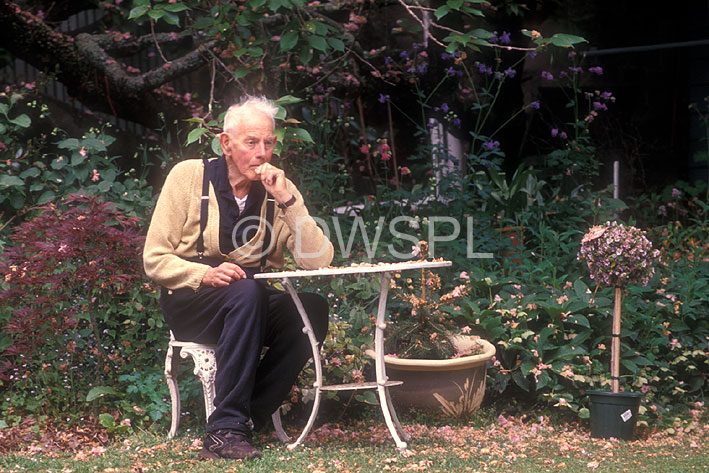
382 383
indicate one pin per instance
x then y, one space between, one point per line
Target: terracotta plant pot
455 386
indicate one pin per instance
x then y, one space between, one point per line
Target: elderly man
213 227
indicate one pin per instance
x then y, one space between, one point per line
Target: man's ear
225 142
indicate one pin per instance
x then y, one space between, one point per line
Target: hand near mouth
274 181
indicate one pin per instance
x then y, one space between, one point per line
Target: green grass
531 444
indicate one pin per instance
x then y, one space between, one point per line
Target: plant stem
615 342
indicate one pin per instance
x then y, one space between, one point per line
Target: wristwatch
288 203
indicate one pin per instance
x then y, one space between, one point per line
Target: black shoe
228 444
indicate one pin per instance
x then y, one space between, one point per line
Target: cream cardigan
174 228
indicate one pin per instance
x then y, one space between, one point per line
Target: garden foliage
81 330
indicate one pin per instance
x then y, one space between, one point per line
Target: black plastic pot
613 414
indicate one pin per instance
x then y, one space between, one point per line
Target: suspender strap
270 203
204 210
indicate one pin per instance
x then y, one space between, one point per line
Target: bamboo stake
615 343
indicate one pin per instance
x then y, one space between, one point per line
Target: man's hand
274 181
223 275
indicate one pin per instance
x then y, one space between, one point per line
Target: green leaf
303 135
69 143
442 11
584 413
336 44
77 158
22 121
99 391
216 146
565 40
172 19
3 424
288 100
156 14
367 397
137 12
31 172
104 186
58 164
289 40
318 42
46 197
582 291
107 420
10 181
196 134
175 7
240 73
455 4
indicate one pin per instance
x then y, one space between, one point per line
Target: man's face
250 145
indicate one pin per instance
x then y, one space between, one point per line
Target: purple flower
532 54
484 68
596 70
492 39
554 132
606 96
505 38
450 71
535 105
446 56
509 72
383 98
387 60
676 192
456 122
404 55
599 106
491 145
445 107
547 75
575 69
421 68
563 135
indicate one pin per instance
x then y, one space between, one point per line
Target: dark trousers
242 319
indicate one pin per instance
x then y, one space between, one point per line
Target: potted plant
442 366
616 255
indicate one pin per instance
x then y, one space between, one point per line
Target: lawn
531 443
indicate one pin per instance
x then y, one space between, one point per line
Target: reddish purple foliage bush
69 260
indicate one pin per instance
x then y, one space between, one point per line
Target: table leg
390 417
308 330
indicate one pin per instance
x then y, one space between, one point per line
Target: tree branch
93 76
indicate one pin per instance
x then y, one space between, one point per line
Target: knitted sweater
174 229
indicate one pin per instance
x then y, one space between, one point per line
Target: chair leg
172 364
205 368
280 433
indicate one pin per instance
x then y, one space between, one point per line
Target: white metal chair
205 368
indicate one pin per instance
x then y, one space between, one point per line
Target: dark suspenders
204 213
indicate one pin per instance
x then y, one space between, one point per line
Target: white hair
248 106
